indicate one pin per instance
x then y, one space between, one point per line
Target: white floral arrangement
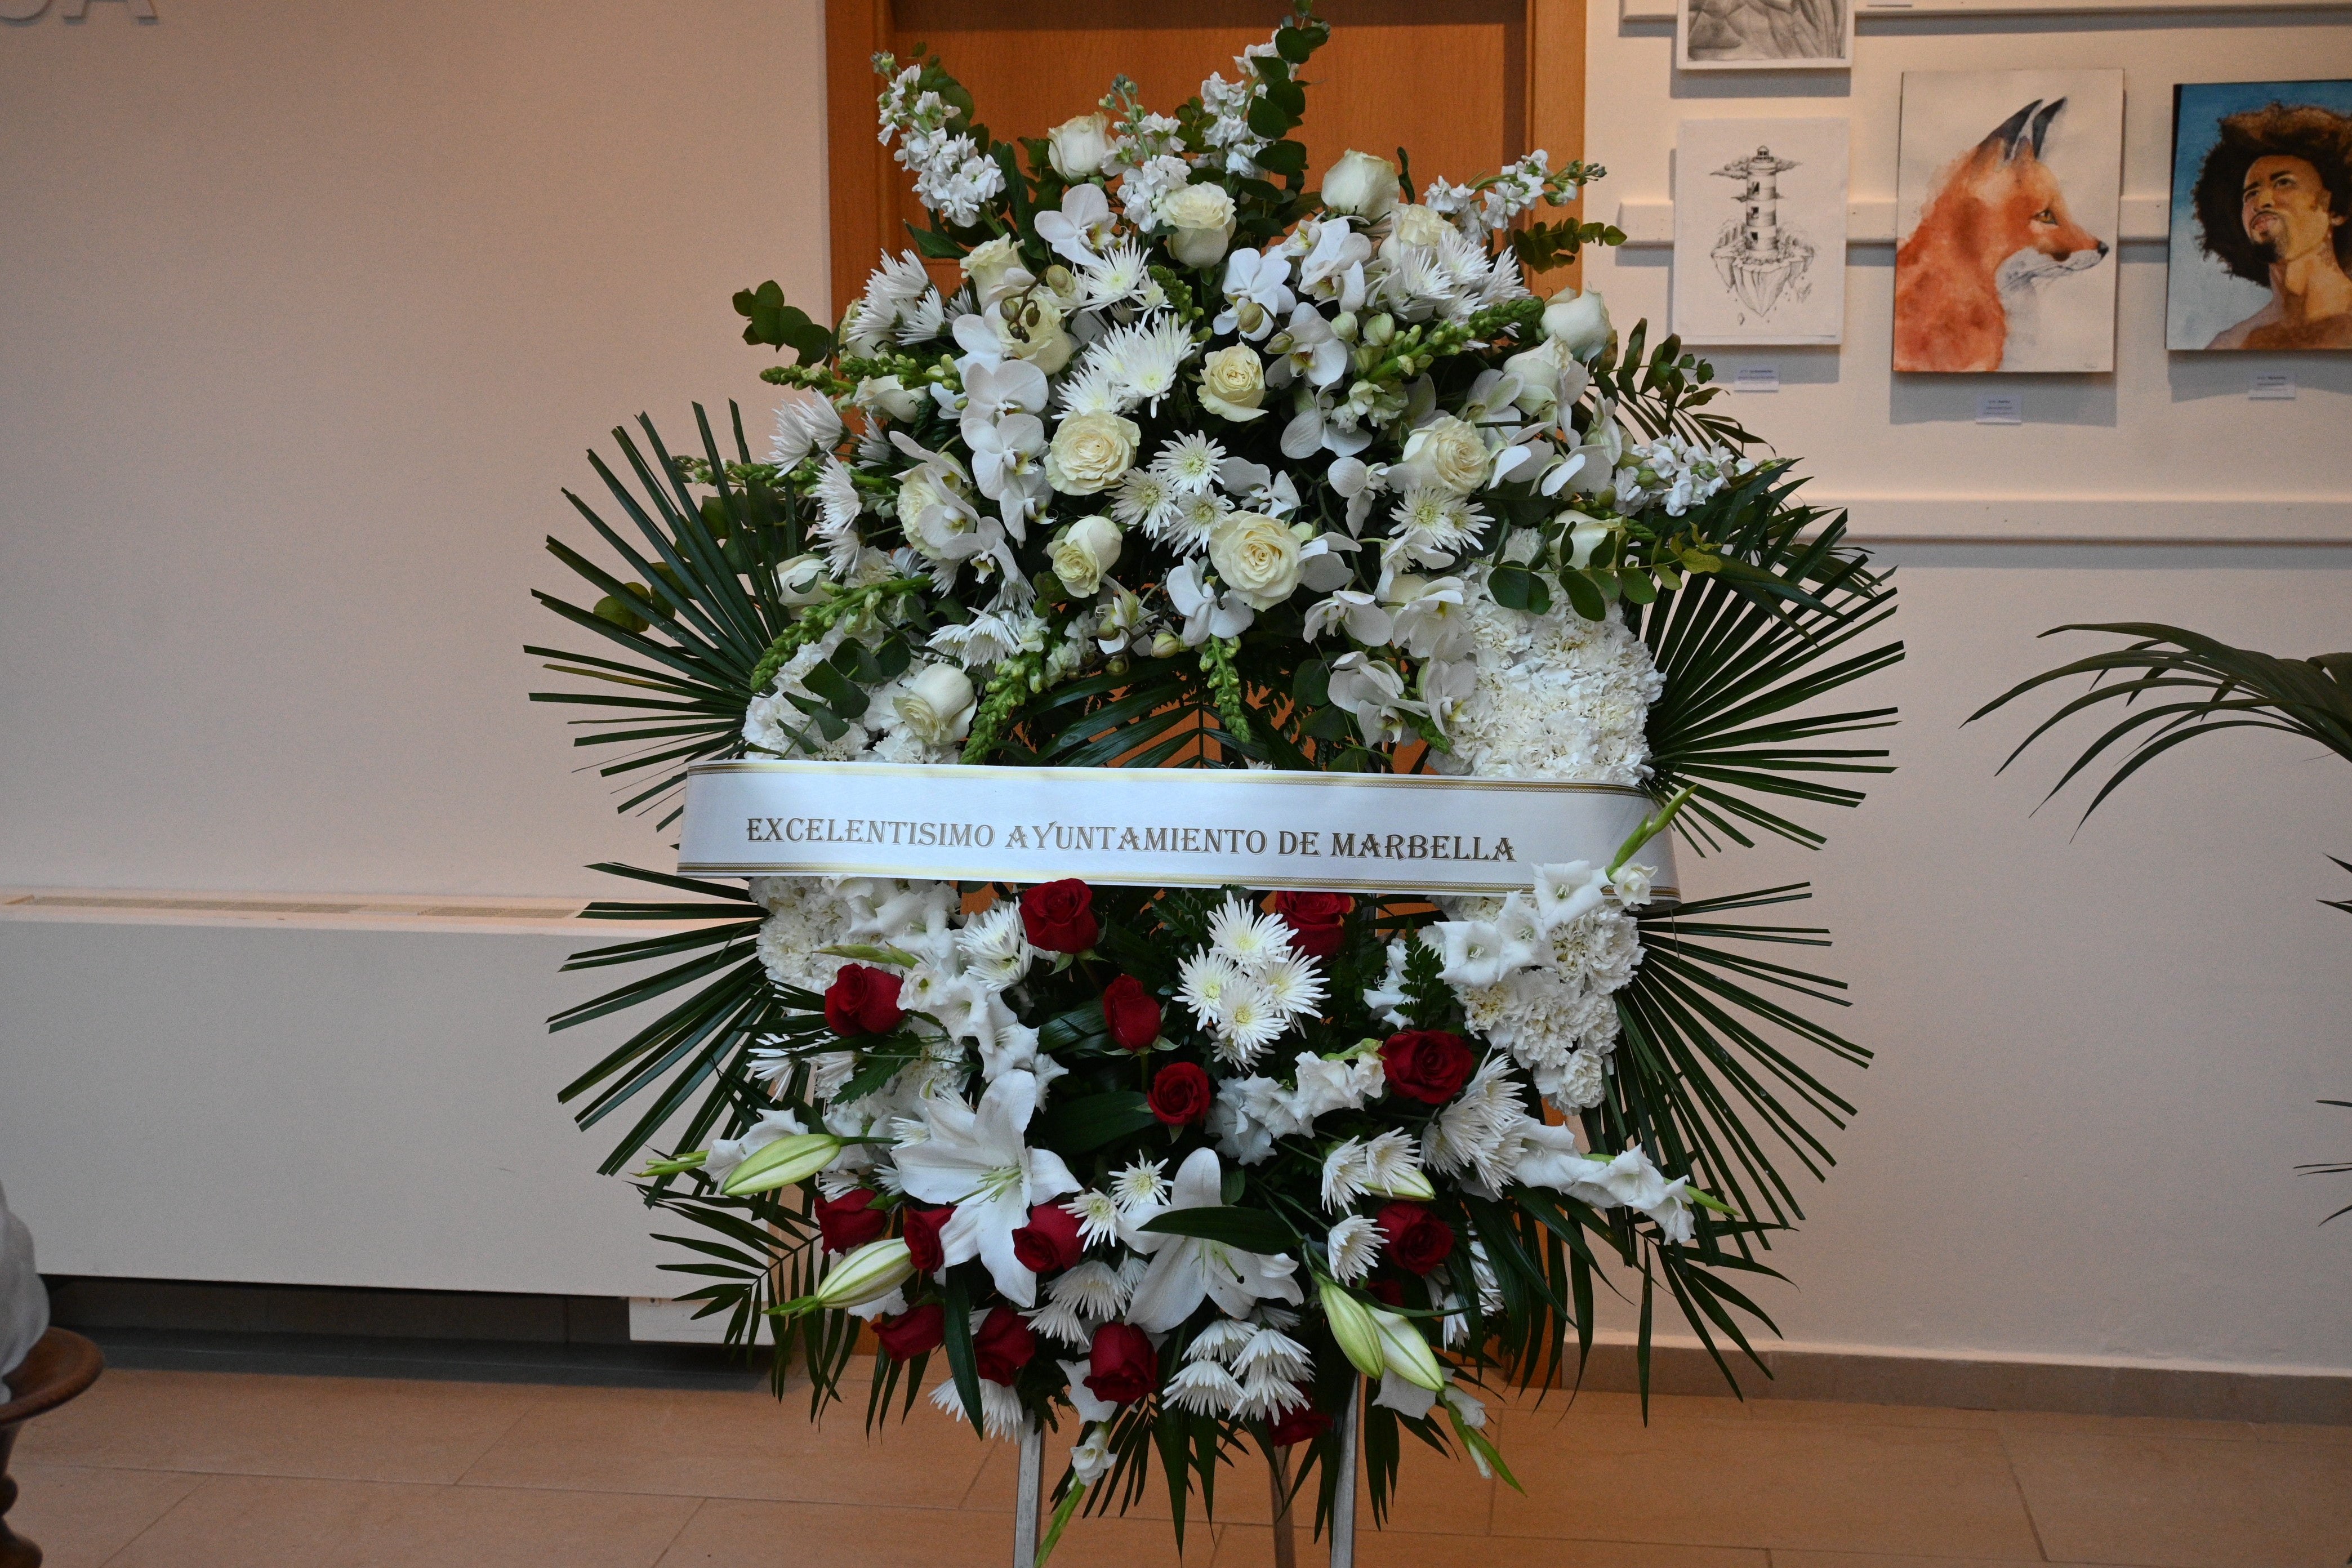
1148 455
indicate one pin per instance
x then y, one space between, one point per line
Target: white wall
2098 1052
313 310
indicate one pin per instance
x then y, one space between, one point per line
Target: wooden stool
57 1368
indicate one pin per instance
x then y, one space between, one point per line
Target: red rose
923 1237
1417 1240
910 1334
850 1220
1314 921
1049 1241
1387 1292
1427 1065
1003 1345
1060 916
863 1001
1180 1094
1302 1425
1122 1367
1132 1012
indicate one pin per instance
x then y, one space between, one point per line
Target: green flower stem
1226 686
1012 684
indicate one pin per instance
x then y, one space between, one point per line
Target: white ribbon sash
1154 827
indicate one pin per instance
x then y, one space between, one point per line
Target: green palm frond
2235 687
1749 649
702 574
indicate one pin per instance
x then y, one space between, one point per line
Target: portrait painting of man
2262 216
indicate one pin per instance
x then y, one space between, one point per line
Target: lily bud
1411 1183
1353 1326
868 1274
1167 644
1404 1351
795 1157
1380 329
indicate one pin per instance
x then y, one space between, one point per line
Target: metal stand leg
1343 1503
1285 1545
1031 1499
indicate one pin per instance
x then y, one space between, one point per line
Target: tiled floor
161 1469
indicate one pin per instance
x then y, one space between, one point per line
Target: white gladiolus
937 705
1078 147
1578 322
1360 186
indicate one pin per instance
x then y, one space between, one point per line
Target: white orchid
1257 293
1305 348
1207 613
1359 612
1083 222
975 1159
1189 1269
1007 464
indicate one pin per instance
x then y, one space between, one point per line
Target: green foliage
779 325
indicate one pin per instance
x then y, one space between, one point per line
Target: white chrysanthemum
1353 1247
1098 1217
1221 1341
1090 389
1433 525
1390 1158
1204 1388
1001 1414
1556 697
995 947
1143 500
1250 939
1060 1321
1189 463
1200 986
1272 1351
1139 1185
1124 273
1191 519
1144 360
1247 1021
1347 1174
1472 1131
1266 1396
1093 1288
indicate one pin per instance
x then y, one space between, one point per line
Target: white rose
1232 381
995 269
1031 328
1412 225
1360 186
937 706
887 397
1203 217
1578 322
1451 453
1078 147
1258 558
801 579
1087 549
1090 451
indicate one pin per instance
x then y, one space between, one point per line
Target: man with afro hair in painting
2272 204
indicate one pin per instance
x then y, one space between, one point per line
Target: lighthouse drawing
1763 265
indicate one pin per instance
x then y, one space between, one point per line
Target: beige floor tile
1766 1483
2170 1501
1252 1546
728 1533
245 1521
79 1518
347 1429
746 1445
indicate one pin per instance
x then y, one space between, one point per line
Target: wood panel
1464 84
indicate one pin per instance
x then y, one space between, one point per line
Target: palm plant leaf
2237 688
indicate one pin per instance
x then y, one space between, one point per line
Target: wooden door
1464 86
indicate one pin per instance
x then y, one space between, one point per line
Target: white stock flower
1187 1269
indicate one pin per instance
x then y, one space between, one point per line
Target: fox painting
1994 232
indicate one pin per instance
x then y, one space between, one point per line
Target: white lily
1187 1270
976 1159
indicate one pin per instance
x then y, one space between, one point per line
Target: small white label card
2001 408
2271 386
1767 378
